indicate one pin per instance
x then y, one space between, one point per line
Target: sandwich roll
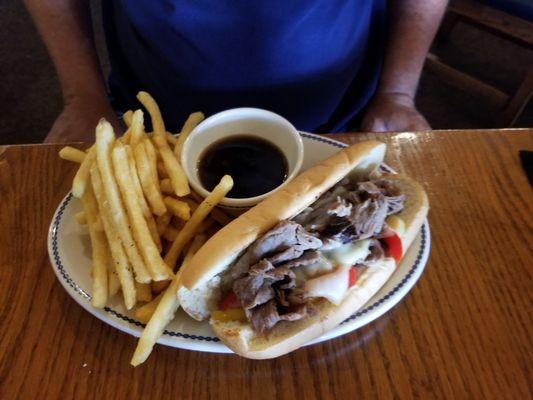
306 258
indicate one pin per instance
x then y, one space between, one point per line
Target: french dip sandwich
305 259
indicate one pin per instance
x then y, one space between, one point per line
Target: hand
78 120
393 112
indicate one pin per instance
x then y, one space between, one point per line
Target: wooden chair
500 23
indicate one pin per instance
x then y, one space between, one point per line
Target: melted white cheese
322 279
321 267
332 286
329 276
349 253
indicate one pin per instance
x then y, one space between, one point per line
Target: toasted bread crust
288 336
223 248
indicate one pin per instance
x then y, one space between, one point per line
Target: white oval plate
70 254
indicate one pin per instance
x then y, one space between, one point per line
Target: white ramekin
250 121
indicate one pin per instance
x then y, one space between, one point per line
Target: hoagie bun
206 278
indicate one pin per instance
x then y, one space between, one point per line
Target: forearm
65 27
413 25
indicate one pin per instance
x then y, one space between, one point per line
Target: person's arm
65 26
414 24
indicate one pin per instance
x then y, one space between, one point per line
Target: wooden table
464 331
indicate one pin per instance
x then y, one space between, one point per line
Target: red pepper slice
230 301
352 277
393 244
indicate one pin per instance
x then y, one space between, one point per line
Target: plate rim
191 341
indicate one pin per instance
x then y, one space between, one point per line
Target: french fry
166 187
100 250
179 181
81 218
98 224
154 263
163 314
171 139
192 225
216 215
127 117
149 186
126 137
220 216
153 157
177 207
137 128
145 312
208 223
193 120
142 200
105 138
172 166
72 154
113 281
137 185
152 227
144 292
162 222
121 262
82 176
156 151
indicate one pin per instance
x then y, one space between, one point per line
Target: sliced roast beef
368 218
368 203
289 253
307 258
263 317
257 287
287 237
339 208
282 277
253 290
266 316
290 298
262 277
393 194
317 219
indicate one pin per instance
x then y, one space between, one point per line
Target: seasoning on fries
105 139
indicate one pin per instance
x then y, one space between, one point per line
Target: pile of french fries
143 220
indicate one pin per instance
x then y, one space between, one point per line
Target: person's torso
298 58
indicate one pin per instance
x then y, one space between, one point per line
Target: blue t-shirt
316 62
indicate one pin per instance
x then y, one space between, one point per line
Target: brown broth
257 166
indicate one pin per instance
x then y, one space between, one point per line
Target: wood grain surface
464 331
